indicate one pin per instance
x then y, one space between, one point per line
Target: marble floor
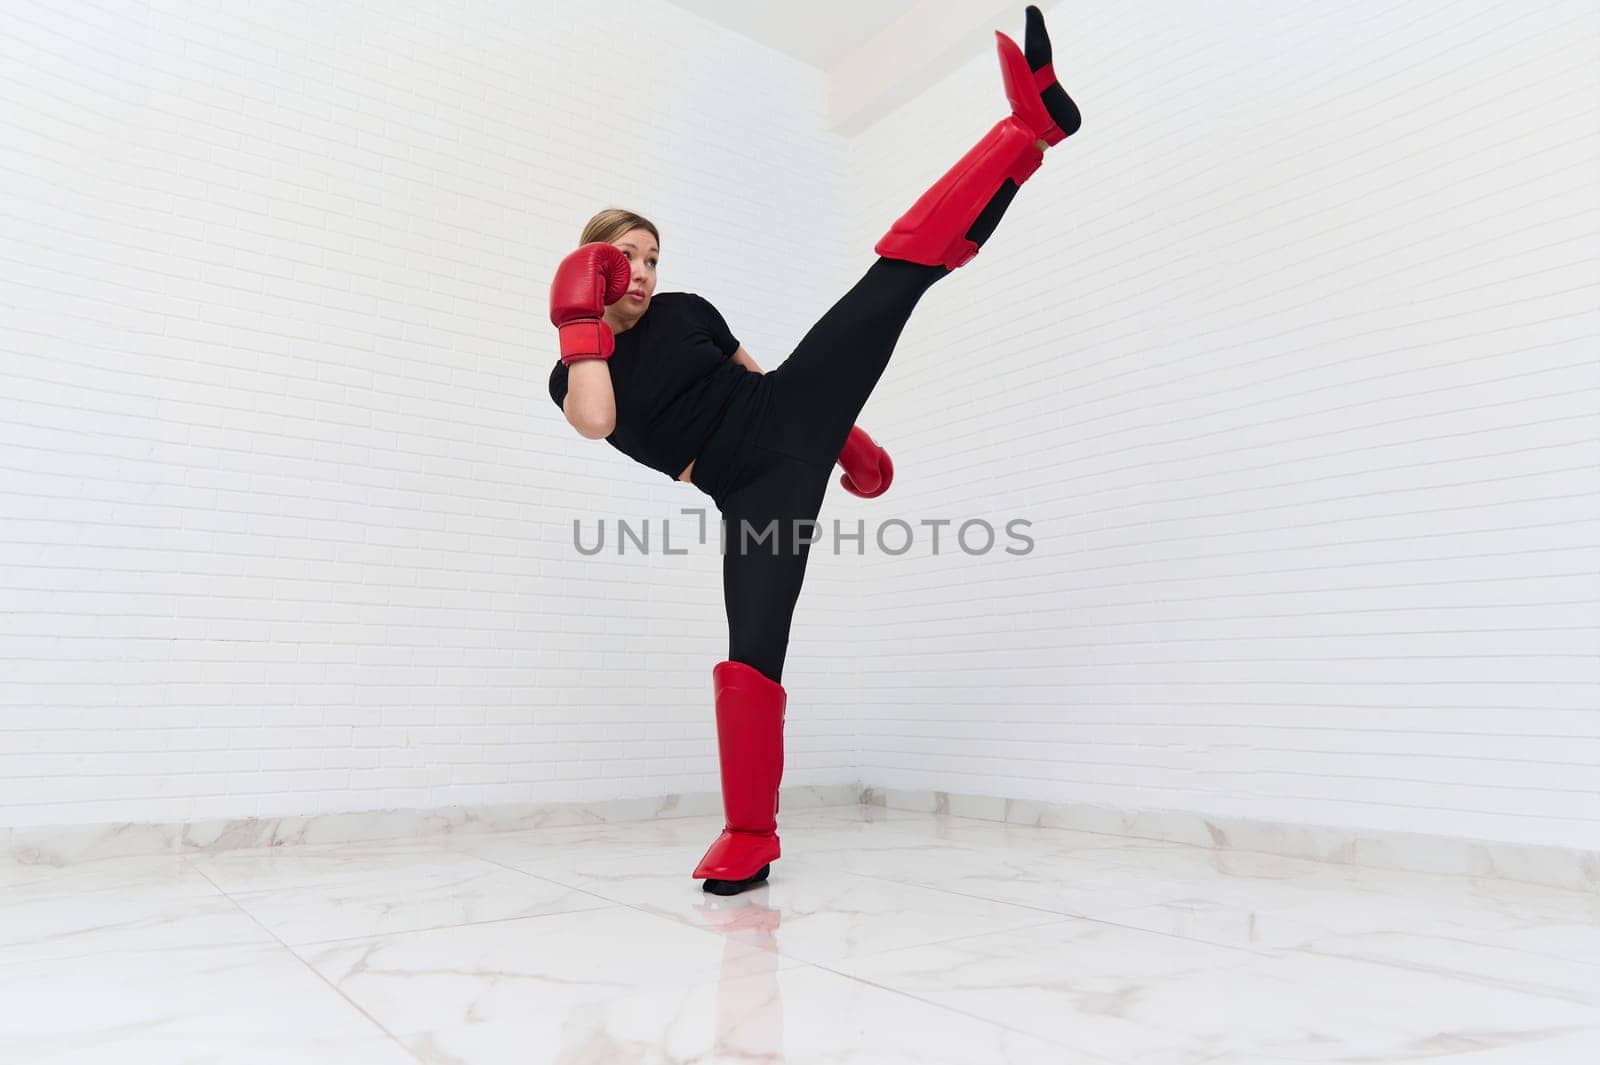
883 937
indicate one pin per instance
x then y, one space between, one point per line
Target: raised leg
819 391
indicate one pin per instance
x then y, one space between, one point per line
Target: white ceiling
818 32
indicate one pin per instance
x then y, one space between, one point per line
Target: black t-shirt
673 376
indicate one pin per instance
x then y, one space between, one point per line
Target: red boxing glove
586 282
867 469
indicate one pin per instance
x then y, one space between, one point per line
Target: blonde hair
612 223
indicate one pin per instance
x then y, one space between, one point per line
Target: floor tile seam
607 904
1441 936
1088 1057
1434 971
212 895
1063 917
338 991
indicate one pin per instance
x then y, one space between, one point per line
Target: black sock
1056 101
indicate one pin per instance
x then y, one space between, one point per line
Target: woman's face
640 248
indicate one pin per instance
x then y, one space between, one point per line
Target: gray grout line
312 969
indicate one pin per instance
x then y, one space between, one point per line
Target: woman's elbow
593 426
592 421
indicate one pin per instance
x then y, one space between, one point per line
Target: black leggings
769 462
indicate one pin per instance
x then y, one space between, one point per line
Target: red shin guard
750 711
934 231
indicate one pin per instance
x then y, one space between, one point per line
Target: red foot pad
737 855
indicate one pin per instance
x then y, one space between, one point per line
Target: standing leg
767 544
770 524
820 389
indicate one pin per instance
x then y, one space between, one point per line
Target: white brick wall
1288 358
1291 360
285 506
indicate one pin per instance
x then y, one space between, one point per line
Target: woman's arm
590 404
742 357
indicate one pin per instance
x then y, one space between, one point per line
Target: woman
666 383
